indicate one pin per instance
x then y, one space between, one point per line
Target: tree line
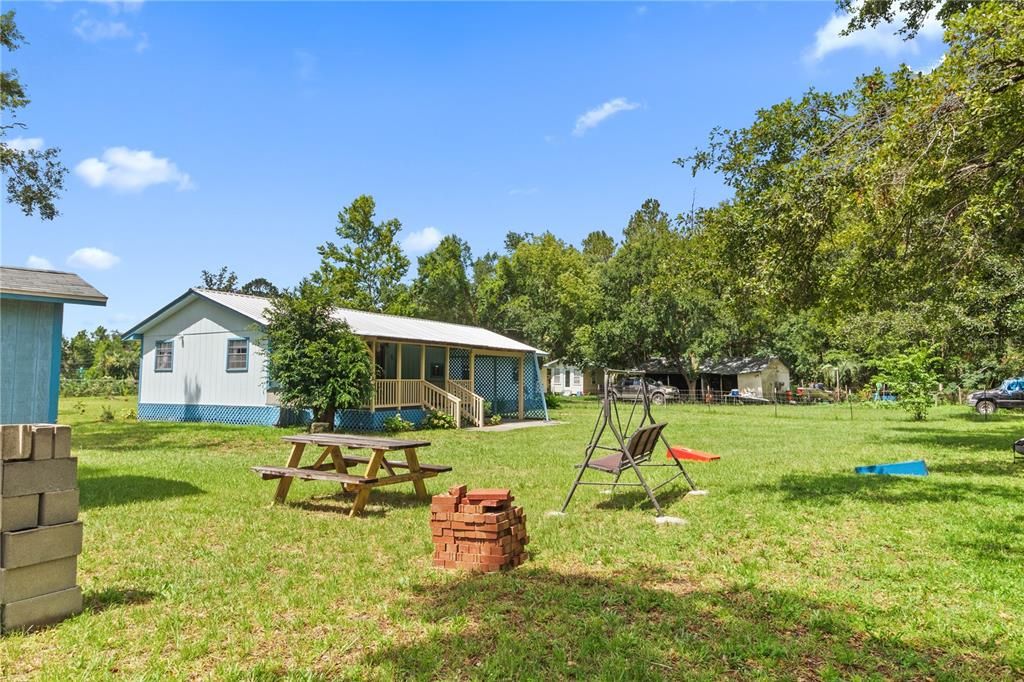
862 224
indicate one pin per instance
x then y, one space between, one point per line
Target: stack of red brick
478 530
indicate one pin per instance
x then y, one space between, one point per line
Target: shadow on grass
635 497
994 541
133 436
540 624
998 437
378 505
831 489
981 467
116 596
110 491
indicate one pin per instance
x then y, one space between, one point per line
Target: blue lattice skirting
270 415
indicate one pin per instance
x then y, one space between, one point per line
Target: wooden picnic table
337 469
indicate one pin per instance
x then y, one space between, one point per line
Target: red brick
489 494
457 490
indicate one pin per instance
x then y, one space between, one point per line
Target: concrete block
42 441
15 441
18 513
38 579
61 441
42 610
58 507
39 476
34 546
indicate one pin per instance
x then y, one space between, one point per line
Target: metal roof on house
60 287
363 323
736 365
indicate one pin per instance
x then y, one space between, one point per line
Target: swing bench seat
639 448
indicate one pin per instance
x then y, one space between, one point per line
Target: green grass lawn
793 567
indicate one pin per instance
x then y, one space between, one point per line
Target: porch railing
400 393
472 404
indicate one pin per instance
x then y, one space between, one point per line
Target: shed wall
30 334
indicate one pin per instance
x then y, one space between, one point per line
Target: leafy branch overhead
34 176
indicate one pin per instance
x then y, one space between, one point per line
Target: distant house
31 322
566 379
203 359
758 376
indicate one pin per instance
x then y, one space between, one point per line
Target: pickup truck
629 388
1009 395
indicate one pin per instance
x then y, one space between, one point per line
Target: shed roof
363 323
53 285
736 365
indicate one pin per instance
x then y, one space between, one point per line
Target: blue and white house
203 359
31 321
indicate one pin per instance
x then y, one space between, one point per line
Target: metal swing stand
628 454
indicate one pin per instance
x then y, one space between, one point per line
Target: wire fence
97 388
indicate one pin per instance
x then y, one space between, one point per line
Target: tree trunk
327 416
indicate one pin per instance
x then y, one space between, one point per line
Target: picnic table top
355 441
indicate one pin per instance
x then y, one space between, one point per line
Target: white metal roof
362 323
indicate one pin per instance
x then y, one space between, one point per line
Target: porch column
423 362
522 387
398 374
472 364
373 364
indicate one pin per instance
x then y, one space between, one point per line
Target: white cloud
934 65
882 38
131 170
24 144
305 65
91 257
595 116
39 263
94 30
422 241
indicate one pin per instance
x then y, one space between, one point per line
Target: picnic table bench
337 469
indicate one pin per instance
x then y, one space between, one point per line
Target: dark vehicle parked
629 388
1009 395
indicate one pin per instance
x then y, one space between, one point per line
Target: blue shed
31 321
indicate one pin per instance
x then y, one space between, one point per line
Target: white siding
750 383
200 332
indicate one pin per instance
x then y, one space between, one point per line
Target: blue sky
209 134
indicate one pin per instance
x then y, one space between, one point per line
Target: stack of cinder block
40 535
477 530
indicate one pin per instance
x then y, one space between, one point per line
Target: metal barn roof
62 287
363 323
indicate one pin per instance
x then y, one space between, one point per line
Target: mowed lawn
792 567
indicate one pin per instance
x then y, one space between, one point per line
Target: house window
558 378
164 356
577 379
238 355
